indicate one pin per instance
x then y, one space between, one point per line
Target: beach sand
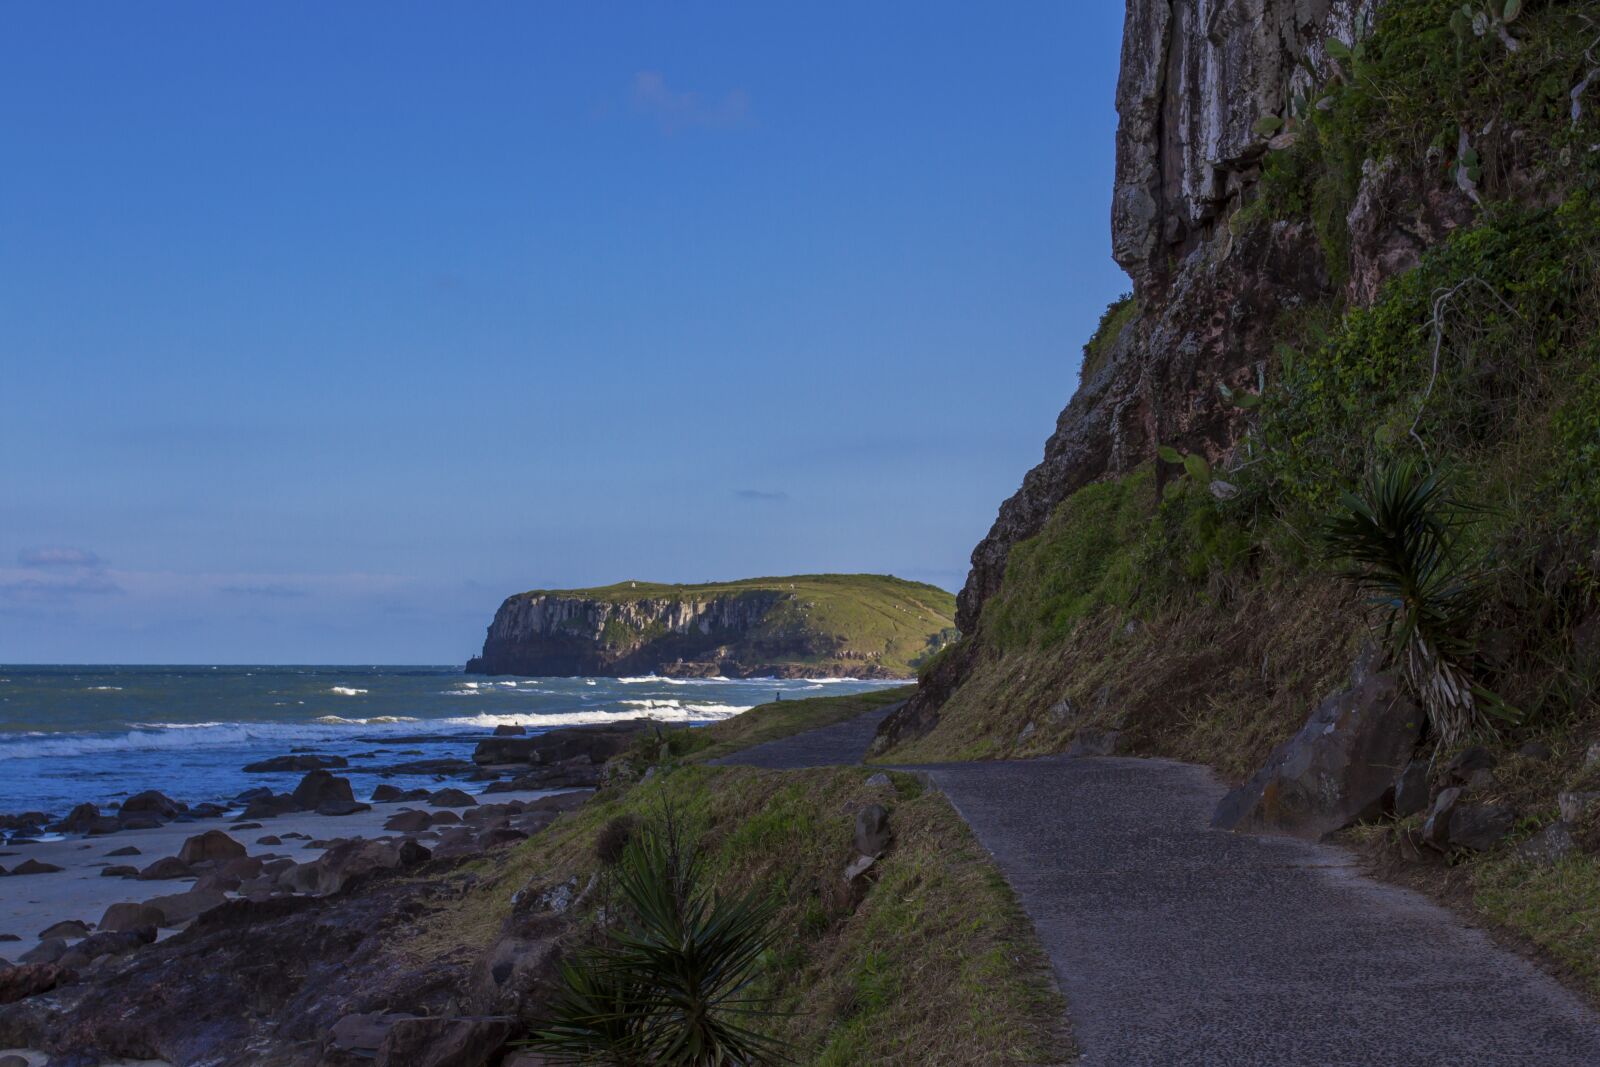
32 903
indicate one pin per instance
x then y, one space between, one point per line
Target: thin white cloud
58 556
674 110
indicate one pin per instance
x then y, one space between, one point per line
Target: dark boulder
213 846
34 867
1472 766
318 788
139 820
408 822
271 805
115 942
1411 789
302 762
363 1033
340 865
119 871
1339 769
242 867
510 730
342 807
501 835
48 951
78 820
120 918
179 908
165 869
1436 831
1576 805
1550 845
70 929
872 830
151 802
125 850
452 798
16 983
1480 827
386 793
443 1042
1536 751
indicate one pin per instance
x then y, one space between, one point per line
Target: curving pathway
1180 945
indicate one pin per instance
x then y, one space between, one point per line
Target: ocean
74 734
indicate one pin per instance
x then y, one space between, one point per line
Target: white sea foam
682 713
346 691
105 689
376 720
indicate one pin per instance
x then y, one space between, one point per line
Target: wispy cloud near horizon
58 556
761 494
53 573
674 109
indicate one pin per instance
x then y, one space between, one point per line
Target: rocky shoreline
117 931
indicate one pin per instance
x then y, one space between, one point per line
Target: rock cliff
1196 77
858 626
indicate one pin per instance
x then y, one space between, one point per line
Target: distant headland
806 625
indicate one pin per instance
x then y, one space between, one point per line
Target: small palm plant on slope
1401 533
673 984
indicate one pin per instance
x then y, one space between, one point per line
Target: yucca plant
673 984
1401 534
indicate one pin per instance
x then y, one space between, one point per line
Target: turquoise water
70 734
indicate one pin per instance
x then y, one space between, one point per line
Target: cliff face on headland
855 626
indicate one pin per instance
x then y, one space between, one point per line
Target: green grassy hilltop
866 625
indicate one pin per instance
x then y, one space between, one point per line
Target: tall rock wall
1196 76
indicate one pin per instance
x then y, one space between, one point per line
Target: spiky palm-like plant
672 985
1401 533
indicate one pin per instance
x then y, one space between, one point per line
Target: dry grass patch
1219 682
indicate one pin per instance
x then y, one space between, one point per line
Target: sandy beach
31 903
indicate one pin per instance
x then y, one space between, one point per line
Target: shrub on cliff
673 984
1401 533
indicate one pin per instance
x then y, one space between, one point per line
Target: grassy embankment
927 960
1205 629
893 622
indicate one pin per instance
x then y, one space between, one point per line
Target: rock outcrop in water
856 626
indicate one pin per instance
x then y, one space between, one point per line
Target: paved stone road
1180 945
843 742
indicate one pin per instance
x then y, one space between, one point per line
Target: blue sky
323 327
